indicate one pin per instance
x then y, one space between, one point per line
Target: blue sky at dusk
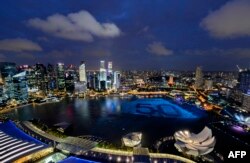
143 34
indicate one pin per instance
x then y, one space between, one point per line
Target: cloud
81 26
230 21
234 52
19 45
158 48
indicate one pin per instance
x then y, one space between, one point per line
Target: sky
143 34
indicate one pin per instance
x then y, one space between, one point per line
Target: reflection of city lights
118 159
110 157
127 160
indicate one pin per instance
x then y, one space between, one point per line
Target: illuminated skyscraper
40 72
198 78
51 77
20 86
8 70
103 76
110 67
82 72
117 79
60 76
246 102
110 76
244 81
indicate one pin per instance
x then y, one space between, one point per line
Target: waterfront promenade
89 149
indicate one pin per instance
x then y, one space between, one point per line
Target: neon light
16 155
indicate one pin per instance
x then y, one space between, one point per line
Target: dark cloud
231 20
19 45
159 49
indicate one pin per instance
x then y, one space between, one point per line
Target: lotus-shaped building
242 119
195 144
132 139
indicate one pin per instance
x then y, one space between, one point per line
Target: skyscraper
244 81
198 78
40 72
117 79
51 77
60 76
109 76
8 70
103 76
110 67
20 86
82 73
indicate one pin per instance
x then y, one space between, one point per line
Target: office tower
110 66
69 82
20 87
51 77
244 81
246 102
40 73
60 76
103 76
8 70
92 82
110 76
31 78
117 80
198 78
82 73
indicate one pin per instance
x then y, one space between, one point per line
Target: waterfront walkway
87 148
73 145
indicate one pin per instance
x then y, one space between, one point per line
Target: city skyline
172 35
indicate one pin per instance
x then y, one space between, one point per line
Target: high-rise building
69 82
110 76
198 78
8 70
82 73
93 82
117 80
40 73
103 76
246 102
244 81
20 86
110 68
60 76
51 77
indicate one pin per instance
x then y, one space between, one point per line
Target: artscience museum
195 144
